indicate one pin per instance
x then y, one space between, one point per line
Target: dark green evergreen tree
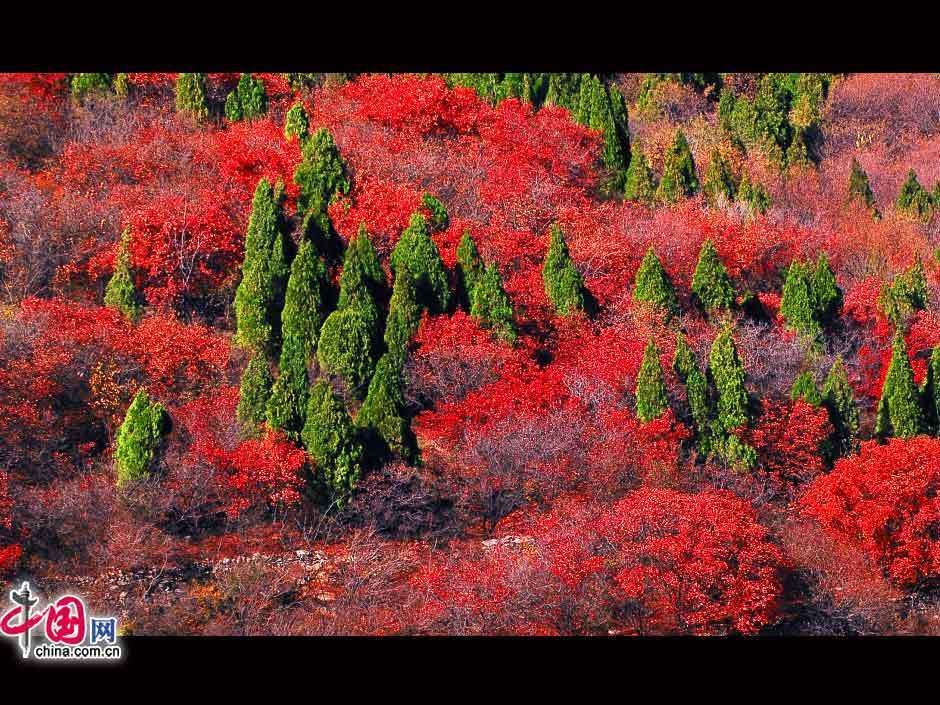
860 189
469 268
753 195
492 307
651 398
639 182
930 393
138 438
120 293
906 294
839 400
417 255
383 416
297 123
827 296
804 387
346 347
899 411
914 199
654 286
438 212
255 391
696 389
319 177
710 283
563 283
333 443
404 316
718 185
798 304
85 84
679 178
259 297
728 374
191 95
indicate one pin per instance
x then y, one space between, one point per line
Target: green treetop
651 399
899 411
798 305
679 179
297 123
804 387
120 293
913 198
492 307
438 212
255 391
728 373
404 316
710 282
383 416
191 95
860 189
839 400
138 438
469 268
417 254
718 185
332 442
639 182
563 283
319 177
654 286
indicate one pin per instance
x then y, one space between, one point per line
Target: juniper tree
418 256
725 110
804 387
679 179
798 305
138 438
469 268
383 416
492 307
233 107
319 176
563 283
251 95
710 283
120 293
727 371
297 123
654 286
563 90
301 319
333 443
753 195
651 399
827 296
438 212
860 189
930 393
259 296
639 184
121 85
346 347
913 198
899 411
404 316
718 184
839 400
191 95
362 276
85 84
696 389
905 294
255 391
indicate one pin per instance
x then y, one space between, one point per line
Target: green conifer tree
437 210
417 255
696 389
84 84
251 95
827 296
302 317
191 95
492 306
753 195
122 86
930 393
138 438
297 123
718 185
333 443
839 400
563 283
906 294
469 268
255 391
347 347
679 179
259 296
913 198
233 107
383 415
654 286
728 374
564 90
899 411
120 293
651 398
362 277
804 387
710 283
798 304
639 182
319 177
860 189
404 316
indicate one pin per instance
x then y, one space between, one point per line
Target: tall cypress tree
120 293
84 84
138 438
191 95
416 254
259 295
251 95
679 178
718 185
563 283
436 210
404 316
696 390
383 415
651 398
899 411
827 296
860 189
332 441
362 276
913 198
728 373
297 123
753 195
255 391
654 286
639 182
710 283
303 315
804 387
839 400
930 393
319 177
798 305
563 90
469 268
904 295
347 347
492 306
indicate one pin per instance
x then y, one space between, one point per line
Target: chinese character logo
103 630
